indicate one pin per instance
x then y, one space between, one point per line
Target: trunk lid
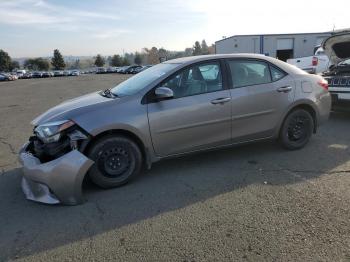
337 47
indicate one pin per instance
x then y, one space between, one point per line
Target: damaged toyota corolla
177 107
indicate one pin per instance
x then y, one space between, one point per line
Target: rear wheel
296 130
117 159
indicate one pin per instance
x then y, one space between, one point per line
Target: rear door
260 94
199 115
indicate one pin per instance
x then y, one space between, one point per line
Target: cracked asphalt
256 202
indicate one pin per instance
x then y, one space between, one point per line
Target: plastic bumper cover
57 181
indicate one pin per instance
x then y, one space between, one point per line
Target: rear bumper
57 181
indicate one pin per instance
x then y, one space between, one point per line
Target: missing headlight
70 138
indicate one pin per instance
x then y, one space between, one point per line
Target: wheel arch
126 133
305 105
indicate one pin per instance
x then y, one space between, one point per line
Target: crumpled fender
62 176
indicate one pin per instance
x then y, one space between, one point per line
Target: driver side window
194 80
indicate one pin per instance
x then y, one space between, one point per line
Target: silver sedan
177 107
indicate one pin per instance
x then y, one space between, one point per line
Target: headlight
51 132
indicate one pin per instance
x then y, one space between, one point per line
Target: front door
197 117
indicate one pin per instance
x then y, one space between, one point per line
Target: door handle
221 100
284 89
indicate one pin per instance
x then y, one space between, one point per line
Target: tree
14 65
130 57
138 59
43 64
99 61
197 50
162 54
29 64
152 55
116 60
125 61
37 64
57 60
205 48
5 61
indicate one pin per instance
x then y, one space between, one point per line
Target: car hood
337 47
68 109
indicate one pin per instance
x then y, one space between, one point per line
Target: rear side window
246 73
276 73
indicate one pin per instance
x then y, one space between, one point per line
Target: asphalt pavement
255 202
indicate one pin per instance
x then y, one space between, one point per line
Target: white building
281 46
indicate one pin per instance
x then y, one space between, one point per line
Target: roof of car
193 59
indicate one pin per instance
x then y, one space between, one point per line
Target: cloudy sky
88 27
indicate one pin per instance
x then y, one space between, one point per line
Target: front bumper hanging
56 181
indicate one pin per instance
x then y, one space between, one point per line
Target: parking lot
253 202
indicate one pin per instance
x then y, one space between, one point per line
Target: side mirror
164 92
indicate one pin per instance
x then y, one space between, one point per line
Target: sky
32 28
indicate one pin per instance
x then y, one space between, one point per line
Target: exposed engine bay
72 138
342 69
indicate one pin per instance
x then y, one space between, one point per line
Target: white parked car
20 73
315 64
75 73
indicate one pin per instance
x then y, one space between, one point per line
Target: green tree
5 61
99 61
37 64
29 64
125 62
205 48
116 60
57 60
14 65
138 59
197 50
43 64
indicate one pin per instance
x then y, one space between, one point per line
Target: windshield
141 80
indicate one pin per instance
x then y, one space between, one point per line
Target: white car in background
20 73
315 64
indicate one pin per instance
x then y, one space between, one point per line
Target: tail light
314 61
323 83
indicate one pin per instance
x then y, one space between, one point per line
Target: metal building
281 46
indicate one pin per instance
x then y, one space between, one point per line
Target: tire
117 159
296 130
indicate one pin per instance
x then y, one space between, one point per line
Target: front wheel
117 159
296 130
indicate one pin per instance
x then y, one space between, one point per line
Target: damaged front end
54 165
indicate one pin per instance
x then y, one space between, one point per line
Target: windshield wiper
108 93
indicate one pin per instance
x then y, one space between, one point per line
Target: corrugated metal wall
302 44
